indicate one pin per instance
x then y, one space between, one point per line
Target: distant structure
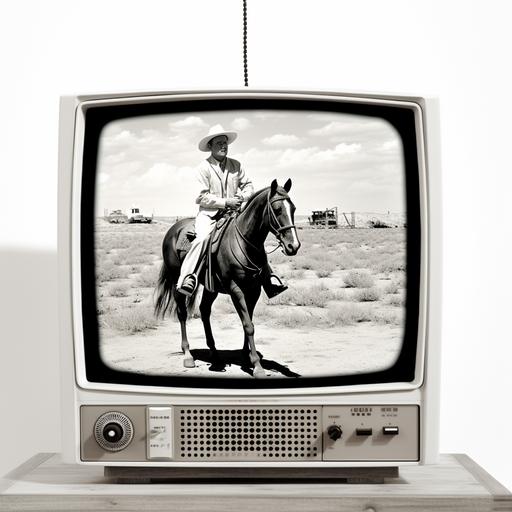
117 217
327 218
136 217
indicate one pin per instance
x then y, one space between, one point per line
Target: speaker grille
249 433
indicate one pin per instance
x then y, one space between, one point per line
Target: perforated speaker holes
234 434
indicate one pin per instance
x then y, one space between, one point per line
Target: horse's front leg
181 309
242 309
205 309
250 299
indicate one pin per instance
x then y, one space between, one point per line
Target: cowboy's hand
234 202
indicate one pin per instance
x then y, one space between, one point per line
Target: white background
457 50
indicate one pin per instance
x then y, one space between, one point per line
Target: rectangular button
390 431
364 431
159 433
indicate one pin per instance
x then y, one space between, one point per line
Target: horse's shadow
238 358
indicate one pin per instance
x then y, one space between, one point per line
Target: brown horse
240 266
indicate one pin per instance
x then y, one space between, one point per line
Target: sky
352 162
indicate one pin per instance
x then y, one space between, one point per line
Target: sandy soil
286 352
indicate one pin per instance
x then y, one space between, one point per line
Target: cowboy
224 186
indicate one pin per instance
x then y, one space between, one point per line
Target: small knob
334 432
113 432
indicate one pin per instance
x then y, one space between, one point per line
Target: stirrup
189 285
278 279
274 289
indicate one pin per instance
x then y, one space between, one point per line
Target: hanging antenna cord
246 72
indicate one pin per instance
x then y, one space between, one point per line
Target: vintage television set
344 370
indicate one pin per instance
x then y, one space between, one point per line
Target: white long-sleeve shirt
219 184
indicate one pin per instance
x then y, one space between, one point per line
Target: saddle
214 241
184 241
207 262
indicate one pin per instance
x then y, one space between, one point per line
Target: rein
275 228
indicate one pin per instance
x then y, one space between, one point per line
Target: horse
240 264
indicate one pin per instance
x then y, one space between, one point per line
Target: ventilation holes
249 433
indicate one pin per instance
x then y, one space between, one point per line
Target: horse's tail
165 296
165 289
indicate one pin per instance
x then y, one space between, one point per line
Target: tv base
146 475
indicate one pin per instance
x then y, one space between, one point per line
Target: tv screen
342 251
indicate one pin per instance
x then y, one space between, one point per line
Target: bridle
277 229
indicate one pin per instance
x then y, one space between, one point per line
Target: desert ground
342 314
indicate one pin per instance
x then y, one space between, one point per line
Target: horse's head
281 212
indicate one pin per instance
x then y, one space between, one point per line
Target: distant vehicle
136 217
117 217
327 218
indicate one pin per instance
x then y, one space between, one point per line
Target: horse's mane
256 194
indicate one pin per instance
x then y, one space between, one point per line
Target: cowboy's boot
188 286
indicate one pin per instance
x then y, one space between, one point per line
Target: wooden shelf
457 483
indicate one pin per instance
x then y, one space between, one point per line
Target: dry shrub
390 264
148 277
358 279
118 290
316 296
348 314
323 269
346 260
388 317
304 262
367 295
287 316
396 300
131 320
393 287
107 271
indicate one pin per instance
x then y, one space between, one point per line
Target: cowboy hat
213 132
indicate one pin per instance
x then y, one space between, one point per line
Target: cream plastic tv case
132 423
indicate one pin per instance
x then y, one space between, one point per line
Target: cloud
123 137
332 128
339 150
390 146
114 158
162 174
240 124
280 139
188 122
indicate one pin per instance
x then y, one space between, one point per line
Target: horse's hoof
259 373
189 362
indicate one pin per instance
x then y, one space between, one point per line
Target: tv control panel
160 433
375 432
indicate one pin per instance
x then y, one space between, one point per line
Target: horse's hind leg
205 309
181 308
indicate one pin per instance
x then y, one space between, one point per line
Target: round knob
113 431
334 432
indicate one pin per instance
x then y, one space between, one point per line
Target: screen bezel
92 373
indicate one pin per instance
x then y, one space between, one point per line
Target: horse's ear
288 185
273 187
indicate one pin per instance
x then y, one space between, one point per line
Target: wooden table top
457 483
